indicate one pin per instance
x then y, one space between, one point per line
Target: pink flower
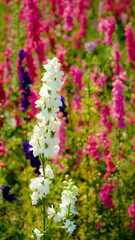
133 161
105 115
91 148
31 12
68 17
131 210
107 25
130 42
118 103
117 55
133 224
77 76
2 164
106 196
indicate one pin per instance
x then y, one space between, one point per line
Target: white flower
48 171
70 226
42 141
57 218
68 199
38 234
34 198
50 212
41 188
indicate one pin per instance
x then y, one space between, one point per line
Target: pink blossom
118 103
61 53
107 25
131 210
91 148
83 25
3 148
133 161
101 8
105 115
117 55
106 196
34 26
2 164
68 15
102 79
77 76
30 65
133 224
130 42
33 98
77 101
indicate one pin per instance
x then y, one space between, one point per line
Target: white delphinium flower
41 188
52 214
69 226
68 199
48 171
37 234
43 140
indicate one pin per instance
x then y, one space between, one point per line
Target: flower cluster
105 117
91 148
40 185
131 212
62 108
34 161
68 16
37 234
25 82
32 14
43 140
106 196
99 78
118 103
107 25
90 46
130 42
66 208
6 193
2 92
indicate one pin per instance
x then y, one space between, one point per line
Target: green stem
44 222
67 217
118 187
44 218
66 236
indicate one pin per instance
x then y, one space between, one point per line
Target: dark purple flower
6 195
34 161
63 108
22 54
25 82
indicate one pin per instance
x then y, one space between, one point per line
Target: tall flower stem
44 222
67 217
118 187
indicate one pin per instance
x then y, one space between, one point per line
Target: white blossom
42 140
48 171
68 200
37 233
41 188
69 226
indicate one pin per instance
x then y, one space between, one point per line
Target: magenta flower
130 42
118 103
